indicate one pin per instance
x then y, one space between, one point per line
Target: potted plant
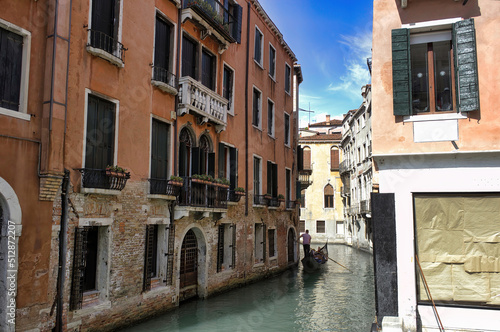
239 191
281 198
116 171
223 182
197 178
176 181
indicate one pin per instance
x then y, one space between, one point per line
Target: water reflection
332 300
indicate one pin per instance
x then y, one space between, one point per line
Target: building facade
118 99
356 173
436 145
321 203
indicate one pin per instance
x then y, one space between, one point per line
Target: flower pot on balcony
176 183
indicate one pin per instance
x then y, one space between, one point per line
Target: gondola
316 260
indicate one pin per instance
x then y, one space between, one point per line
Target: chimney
328 119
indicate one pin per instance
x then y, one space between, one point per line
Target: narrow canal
332 300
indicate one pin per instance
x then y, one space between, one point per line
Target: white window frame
289 78
273 127
101 53
85 114
173 54
259 126
285 117
25 70
273 77
231 102
260 61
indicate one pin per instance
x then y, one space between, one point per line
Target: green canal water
332 300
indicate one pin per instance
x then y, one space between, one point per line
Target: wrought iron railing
215 14
233 196
203 194
163 187
344 166
273 201
99 179
365 206
106 43
163 75
259 200
290 204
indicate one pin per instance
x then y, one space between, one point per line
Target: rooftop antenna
303 110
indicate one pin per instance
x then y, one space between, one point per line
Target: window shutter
222 160
188 58
182 159
237 16
297 190
300 157
233 246
401 71
306 155
159 150
269 177
264 244
465 56
220 248
148 258
233 168
211 164
162 44
334 159
11 57
195 160
170 254
78 276
274 193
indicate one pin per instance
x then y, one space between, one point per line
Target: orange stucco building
103 101
436 147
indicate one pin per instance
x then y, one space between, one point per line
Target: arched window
328 196
207 158
307 158
185 151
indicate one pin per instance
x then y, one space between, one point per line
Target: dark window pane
100 133
272 61
420 78
442 65
91 259
208 70
258 46
11 55
188 58
287 78
159 150
270 118
287 129
162 51
320 226
256 108
227 85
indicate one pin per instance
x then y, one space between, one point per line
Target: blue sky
331 40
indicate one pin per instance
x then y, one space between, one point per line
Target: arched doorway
189 266
291 245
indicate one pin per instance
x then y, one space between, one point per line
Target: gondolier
306 242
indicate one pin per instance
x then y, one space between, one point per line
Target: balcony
291 204
345 190
203 194
305 179
195 98
164 80
99 179
344 167
273 202
106 47
365 206
260 200
213 17
163 187
234 196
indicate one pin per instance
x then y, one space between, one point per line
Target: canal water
331 300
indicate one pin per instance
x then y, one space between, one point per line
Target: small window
320 226
14 56
288 78
270 117
105 27
287 129
272 62
260 243
271 236
227 87
272 179
163 52
257 106
226 247
329 196
302 226
259 41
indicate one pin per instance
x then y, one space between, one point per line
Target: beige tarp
458 243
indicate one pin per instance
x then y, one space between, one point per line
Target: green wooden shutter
465 58
269 177
233 246
148 258
401 72
220 248
170 255
233 167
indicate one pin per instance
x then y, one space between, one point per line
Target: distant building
321 203
356 172
436 146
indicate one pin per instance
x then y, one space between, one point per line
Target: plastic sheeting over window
458 245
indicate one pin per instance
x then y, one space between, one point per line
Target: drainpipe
63 248
177 74
246 137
